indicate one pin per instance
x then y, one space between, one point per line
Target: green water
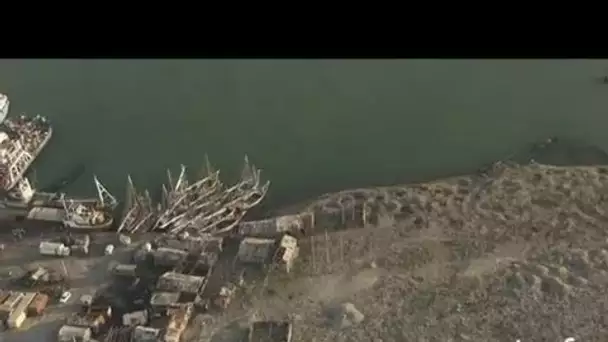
313 125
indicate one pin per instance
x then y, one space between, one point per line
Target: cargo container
37 305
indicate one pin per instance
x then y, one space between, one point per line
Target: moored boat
96 215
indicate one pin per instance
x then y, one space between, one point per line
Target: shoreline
552 152
362 207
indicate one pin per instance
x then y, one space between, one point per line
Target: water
314 126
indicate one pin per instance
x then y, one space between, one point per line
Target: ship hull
81 227
35 155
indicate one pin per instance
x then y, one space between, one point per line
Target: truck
54 249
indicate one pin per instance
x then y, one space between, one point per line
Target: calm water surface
313 125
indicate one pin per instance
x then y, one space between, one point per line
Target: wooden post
312 253
327 247
341 249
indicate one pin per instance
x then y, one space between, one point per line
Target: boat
97 215
4 106
21 141
206 206
137 211
82 216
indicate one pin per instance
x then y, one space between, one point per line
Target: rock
348 315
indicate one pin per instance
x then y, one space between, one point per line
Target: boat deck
53 200
46 214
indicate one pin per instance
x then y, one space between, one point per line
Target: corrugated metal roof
255 249
168 256
164 298
67 332
145 334
177 282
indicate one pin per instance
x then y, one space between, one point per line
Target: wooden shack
38 305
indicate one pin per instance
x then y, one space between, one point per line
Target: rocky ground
518 253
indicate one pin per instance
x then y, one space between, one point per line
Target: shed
9 304
177 282
135 318
145 334
195 243
255 250
168 256
125 270
164 299
16 319
38 305
69 333
24 302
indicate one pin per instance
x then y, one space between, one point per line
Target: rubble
281 253
272 228
178 319
347 315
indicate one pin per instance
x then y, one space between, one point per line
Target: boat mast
105 197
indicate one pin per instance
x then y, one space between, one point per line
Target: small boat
91 215
82 216
4 106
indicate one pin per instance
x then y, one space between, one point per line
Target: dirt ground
518 253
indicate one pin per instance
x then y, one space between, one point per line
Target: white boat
4 105
96 215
